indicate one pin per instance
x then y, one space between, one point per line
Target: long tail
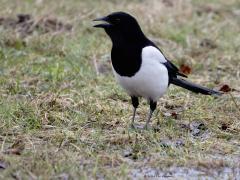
194 87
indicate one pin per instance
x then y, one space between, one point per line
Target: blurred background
63 116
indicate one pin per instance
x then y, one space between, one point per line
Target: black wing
173 70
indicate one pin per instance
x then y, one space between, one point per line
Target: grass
62 116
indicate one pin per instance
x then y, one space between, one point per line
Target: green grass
73 121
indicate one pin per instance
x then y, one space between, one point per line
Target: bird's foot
147 127
140 127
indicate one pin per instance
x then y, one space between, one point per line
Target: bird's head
120 25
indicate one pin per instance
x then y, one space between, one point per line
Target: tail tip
215 93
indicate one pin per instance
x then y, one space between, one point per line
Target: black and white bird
139 65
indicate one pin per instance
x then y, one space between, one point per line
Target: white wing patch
152 53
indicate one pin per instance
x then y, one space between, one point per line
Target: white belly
150 82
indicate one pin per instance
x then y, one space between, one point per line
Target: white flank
151 81
153 53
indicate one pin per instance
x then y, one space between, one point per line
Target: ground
62 115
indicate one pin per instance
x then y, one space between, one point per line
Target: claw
139 127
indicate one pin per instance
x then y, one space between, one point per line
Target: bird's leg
135 104
152 108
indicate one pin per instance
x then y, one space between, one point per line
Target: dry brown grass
62 116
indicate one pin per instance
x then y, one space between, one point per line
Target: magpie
139 65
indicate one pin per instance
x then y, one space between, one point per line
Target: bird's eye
117 20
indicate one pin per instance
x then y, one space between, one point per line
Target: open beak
102 25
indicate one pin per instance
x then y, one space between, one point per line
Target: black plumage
139 65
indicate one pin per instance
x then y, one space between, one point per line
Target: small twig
60 145
234 101
3 143
96 65
76 147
